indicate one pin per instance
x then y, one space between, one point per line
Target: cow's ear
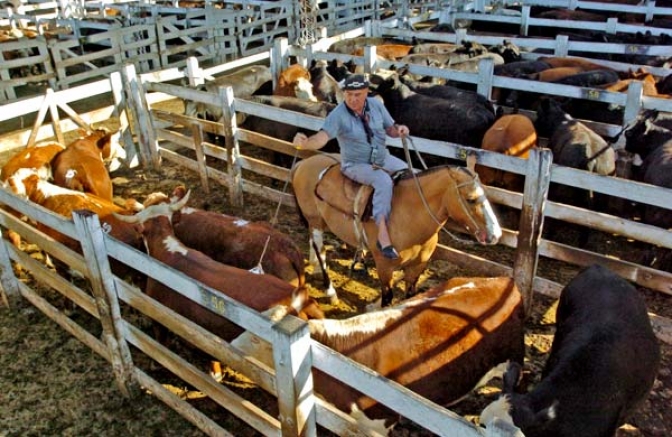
101 143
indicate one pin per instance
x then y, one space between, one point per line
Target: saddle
344 194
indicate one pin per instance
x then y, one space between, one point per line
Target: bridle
442 227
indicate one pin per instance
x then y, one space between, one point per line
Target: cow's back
604 356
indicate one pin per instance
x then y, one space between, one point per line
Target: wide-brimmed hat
355 82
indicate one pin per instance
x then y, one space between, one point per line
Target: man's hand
300 140
403 130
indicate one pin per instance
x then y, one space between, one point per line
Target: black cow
574 145
446 92
284 131
432 117
603 362
651 138
325 86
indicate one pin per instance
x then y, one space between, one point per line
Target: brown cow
235 241
295 82
81 166
27 184
453 335
258 291
512 135
37 158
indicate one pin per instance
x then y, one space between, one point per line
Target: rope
442 227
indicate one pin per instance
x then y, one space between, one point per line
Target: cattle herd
604 357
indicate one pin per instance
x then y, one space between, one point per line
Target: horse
422 205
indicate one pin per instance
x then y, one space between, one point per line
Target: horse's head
468 207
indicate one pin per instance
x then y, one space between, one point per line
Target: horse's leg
318 257
411 276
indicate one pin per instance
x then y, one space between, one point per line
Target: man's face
355 99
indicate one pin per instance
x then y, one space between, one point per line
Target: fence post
9 284
633 101
232 146
294 380
135 96
561 45
537 181
119 110
194 72
104 291
279 58
370 59
486 69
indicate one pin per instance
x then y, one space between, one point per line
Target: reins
442 227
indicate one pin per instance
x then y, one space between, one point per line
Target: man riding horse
359 124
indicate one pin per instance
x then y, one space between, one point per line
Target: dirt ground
50 384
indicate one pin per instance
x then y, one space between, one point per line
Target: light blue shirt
347 128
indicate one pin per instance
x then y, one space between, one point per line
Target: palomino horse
442 196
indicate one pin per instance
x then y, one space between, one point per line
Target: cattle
650 136
520 68
568 61
244 82
284 131
574 145
349 45
453 335
258 291
433 48
512 135
602 365
325 87
81 166
446 92
235 241
390 52
295 82
37 158
27 184
431 117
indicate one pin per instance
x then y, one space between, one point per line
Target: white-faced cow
440 343
603 362
258 291
235 241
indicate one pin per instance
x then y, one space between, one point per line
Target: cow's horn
180 203
126 218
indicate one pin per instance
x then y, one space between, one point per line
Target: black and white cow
603 362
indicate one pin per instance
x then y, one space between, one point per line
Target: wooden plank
103 289
537 183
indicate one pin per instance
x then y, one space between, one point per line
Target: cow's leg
318 258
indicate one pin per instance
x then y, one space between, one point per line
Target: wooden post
104 291
525 20
232 146
194 72
537 181
9 284
135 96
370 59
633 102
119 110
486 71
197 134
294 380
279 58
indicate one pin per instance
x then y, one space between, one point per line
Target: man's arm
314 142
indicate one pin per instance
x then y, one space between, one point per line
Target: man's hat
355 82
